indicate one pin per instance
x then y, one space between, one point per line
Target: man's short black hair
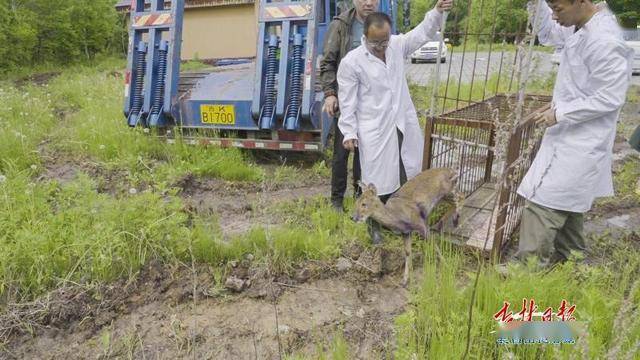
376 19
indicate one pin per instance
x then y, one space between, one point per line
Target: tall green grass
435 325
95 127
26 116
312 230
479 90
52 231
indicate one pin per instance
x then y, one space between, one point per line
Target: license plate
218 114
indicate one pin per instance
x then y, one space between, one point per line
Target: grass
627 180
471 46
52 232
435 325
496 84
193 65
25 118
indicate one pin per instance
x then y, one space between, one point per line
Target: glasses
378 44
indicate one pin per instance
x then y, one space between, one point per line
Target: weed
435 324
193 65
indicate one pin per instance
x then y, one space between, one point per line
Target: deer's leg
407 259
458 199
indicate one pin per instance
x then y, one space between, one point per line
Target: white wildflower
34 167
102 147
2 178
133 191
146 130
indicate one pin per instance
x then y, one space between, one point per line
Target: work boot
337 205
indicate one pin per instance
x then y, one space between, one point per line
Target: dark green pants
550 234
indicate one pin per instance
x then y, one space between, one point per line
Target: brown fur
408 210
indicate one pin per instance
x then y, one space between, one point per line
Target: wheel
443 60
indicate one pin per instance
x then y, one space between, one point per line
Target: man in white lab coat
377 114
573 165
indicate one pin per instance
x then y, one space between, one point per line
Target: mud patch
180 313
241 206
65 170
37 79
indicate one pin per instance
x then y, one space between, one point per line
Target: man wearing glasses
344 34
377 114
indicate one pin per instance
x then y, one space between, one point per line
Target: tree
628 12
60 32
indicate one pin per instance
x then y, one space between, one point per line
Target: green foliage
63 31
482 19
499 16
628 11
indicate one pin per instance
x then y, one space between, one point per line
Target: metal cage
482 123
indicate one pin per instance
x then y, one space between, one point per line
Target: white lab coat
375 101
573 165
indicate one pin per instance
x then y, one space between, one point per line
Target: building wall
220 32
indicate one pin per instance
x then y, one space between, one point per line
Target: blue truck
273 102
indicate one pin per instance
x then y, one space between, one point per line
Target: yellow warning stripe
275 12
142 20
162 19
299 10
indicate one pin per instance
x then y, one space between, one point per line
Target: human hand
444 5
547 118
350 145
330 105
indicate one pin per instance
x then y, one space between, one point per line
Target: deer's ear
362 185
372 188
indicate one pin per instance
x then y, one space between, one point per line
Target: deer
407 210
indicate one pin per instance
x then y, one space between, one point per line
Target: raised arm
425 31
550 33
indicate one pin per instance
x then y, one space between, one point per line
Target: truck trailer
272 102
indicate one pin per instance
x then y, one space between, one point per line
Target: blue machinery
272 103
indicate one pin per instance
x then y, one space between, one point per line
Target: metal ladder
153 63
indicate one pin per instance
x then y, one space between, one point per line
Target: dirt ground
238 207
194 312
182 313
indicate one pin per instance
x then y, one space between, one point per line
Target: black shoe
337 205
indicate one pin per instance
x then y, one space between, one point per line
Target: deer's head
366 203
